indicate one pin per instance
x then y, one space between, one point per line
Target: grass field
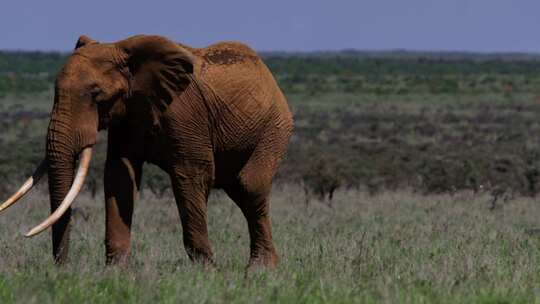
392 247
436 162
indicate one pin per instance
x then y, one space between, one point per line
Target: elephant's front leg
191 193
122 182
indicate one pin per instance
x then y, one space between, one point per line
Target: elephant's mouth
104 116
103 122
82 170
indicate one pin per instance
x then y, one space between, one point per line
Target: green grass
383 123
393 247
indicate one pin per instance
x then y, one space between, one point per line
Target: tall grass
392 247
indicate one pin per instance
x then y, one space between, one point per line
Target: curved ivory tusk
29 184
78 183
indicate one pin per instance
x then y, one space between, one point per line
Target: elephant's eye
95 93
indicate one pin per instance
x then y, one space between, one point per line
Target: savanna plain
411 178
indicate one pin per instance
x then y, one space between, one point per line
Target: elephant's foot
263 260
203 257
121 260
118 253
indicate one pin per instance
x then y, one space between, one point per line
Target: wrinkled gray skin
211 118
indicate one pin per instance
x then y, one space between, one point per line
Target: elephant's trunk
61 158
67 135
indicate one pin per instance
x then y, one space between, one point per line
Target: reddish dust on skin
229 53
223 57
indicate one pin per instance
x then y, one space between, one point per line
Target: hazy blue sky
473 25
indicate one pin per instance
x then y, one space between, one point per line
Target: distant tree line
318 73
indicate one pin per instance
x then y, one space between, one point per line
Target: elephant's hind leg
255 207
191 195
251 192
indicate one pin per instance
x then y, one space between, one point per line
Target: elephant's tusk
29 184
86 156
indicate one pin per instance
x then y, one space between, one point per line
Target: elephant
211 118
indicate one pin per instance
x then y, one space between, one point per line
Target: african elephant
209 117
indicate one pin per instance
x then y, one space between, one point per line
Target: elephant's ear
158 68
83 41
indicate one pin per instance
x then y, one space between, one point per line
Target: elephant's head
96 88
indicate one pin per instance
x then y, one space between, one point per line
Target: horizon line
332 51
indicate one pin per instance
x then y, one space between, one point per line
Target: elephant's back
233 69
226 53
248 94
240 79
